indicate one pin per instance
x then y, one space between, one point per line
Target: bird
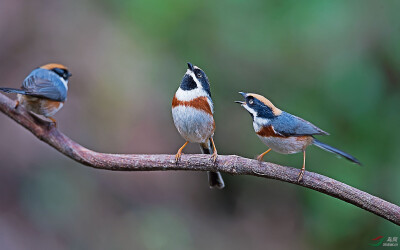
44 90
192 112
283 132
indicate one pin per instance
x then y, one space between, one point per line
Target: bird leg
214 155
178 155
261 156
303 169
16 104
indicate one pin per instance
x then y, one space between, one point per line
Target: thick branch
231 164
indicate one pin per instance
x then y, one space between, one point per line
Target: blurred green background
334 63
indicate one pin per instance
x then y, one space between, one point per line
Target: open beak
240 102
190 66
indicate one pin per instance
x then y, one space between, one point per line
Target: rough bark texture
230 164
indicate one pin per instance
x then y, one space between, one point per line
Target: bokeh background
334 63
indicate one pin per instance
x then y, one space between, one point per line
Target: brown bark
230 164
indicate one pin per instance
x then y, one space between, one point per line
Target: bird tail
214 178
11 90
331 149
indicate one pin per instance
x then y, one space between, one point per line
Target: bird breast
193 119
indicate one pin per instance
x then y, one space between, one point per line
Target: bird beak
190 66
240 102
69 74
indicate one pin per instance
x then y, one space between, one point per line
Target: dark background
334 63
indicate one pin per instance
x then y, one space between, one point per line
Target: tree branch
230 164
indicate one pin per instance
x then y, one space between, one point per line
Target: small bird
192 111
44 90
283 132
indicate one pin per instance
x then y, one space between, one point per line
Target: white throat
188 95
258 122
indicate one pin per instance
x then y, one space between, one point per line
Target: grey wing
45 84
289 125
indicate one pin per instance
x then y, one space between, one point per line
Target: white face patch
191 73
65 82
258 122
251 111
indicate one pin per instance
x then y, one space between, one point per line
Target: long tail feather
214 178
11 90
331 149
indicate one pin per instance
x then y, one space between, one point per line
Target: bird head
59 69
195 80
258 106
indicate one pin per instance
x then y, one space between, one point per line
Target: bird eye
251 101
199 75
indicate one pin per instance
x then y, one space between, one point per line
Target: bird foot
214 157
260 157
300 177
178 157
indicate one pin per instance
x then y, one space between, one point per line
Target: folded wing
45 84
289 125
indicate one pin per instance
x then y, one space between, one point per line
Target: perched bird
192 111
44 90
284 132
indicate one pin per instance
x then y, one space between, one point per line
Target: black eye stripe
62 73
250 98
58 71
260 108
198 72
